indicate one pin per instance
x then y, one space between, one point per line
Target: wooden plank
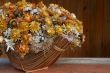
84 61
68 65
72 61
96 24
106 29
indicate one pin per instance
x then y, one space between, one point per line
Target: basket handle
58 49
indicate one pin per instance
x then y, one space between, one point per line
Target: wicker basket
33 61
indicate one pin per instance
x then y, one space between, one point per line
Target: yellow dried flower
34 26
56 16
76 43
23 1
59 29
45 13
15 34
3 25
48 21
21 4
51 31
42 6
24 26
69 27
79 26
7 4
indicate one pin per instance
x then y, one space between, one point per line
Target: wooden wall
95 15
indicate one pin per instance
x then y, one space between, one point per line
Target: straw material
33 61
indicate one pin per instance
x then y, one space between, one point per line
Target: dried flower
36 38
27 8
55 8
28 18
34 26
9 44
7 5
79 26
35 11
26 25
3 25
7 32
69 27
59 30
23 49
23 26
15 34
73 15
48 21
51 31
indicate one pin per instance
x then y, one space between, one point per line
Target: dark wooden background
95 15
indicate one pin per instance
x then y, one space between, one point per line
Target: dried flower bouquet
34 28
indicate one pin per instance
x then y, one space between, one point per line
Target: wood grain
66 65
106 29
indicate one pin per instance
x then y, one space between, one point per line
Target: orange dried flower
27 18
23 49
12 7
26 38
24 26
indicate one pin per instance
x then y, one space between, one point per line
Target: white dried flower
42 46
63 18
27 8
9 44
55 8
36 38
76 32
7 32
44 27
73 15
35 11
70 38
41 33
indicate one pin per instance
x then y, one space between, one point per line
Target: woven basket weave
33 61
